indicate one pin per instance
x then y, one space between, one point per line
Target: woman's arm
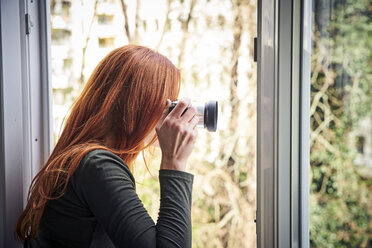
175 209
107 188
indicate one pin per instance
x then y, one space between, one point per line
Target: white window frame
25 105
283 123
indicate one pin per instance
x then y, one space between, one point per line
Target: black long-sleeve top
100 208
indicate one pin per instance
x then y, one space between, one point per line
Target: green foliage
341 197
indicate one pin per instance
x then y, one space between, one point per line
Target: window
60 7
341 98
106 42
360 143
105 19
59 35
314 75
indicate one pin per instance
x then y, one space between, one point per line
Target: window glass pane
211 41
341 124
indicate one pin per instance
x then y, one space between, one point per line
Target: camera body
206 112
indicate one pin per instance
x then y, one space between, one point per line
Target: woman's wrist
172 164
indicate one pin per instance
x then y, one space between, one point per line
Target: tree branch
166 25
82 79
136 23
185 29
126 24
234 98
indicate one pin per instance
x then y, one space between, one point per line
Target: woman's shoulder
101 154
103 162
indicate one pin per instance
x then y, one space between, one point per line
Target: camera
206 112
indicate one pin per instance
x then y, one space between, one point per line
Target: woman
85 195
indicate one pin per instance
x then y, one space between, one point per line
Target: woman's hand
177 134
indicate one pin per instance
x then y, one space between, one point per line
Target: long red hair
124 97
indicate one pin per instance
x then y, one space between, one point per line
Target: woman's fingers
177 134
189 114
191 138
194 122
180 108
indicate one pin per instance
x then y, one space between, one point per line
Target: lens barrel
207 113
211 115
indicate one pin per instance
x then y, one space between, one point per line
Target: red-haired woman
84 196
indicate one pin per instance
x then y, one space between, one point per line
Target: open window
314 98
57 44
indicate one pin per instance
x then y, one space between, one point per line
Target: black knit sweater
100 208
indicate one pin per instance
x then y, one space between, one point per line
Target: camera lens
211 115
207 113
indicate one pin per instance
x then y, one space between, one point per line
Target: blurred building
83 32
